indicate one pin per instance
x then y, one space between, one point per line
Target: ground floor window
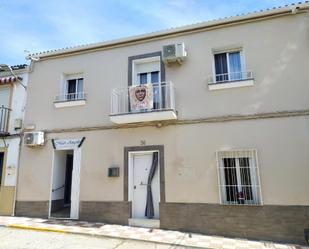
239 177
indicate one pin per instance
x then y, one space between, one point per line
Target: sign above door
67 144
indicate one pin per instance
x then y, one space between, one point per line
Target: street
26 239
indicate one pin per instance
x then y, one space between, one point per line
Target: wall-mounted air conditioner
174 53
33 139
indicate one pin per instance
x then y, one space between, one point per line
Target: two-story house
201 128
13 81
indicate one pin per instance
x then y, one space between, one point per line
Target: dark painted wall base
32 208
57 205
275 223
269 222
117 212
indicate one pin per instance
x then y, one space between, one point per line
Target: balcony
143 103
230 80
4 121
70 99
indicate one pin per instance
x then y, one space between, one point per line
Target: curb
36 228
41 229
16 226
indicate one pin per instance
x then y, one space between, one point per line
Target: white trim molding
231 84
144 117
69 103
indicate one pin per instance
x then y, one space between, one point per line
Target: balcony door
147 71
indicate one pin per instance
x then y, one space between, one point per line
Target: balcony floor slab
128 118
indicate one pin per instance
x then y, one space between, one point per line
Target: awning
8 80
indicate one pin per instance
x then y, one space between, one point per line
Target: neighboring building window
228 66
75 89
239 177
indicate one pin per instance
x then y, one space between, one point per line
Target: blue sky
43 25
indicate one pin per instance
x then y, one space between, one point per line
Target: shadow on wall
276 73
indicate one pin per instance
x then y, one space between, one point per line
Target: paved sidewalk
135 233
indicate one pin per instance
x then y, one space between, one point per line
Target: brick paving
142 234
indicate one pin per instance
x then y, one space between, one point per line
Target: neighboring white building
12 106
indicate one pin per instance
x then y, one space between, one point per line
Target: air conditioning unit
34 138
174 53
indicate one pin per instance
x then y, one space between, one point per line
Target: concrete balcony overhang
157 115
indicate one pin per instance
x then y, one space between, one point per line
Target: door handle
134 187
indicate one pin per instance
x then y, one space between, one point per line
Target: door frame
142 149
76 166
131 176
4 151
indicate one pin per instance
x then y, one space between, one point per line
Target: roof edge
218 23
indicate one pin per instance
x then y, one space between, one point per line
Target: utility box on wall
113 172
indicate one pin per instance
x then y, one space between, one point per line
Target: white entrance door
141 168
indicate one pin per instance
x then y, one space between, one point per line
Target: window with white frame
229 66
239 177
72 88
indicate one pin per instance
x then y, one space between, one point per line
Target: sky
40 25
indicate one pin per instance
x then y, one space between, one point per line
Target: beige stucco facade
190 160
271 116
279 64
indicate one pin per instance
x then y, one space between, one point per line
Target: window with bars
239 177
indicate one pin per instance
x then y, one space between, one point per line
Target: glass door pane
142 78
156 89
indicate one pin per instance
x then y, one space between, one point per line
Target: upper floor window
71 91
229 70
75 89
239 177
228 66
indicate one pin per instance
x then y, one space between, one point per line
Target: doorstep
148 223
173 238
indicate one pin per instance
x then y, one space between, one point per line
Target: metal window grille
239 181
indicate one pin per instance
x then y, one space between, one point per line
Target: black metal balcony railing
4 120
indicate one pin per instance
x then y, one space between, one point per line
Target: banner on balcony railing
141 97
